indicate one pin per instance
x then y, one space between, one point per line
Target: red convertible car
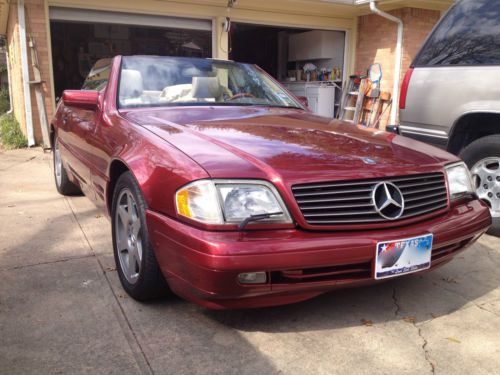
223 188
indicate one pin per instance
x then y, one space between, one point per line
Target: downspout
397 59
25 73
11 109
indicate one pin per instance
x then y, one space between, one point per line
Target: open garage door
81 37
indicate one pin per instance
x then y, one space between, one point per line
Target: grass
11 135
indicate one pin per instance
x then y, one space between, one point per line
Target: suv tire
483 159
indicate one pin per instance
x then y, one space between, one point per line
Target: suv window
98 77
469 34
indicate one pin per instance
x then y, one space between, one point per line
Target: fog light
252 278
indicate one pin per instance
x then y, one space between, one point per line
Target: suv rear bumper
203 266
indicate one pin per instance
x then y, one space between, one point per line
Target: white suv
450 96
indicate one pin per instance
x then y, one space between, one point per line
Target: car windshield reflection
147 81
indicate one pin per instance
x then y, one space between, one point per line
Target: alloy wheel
128 236
486 177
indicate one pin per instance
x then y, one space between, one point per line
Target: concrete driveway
62 309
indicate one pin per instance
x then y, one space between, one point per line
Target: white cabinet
314 45
320 97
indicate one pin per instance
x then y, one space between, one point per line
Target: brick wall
36 26
376 42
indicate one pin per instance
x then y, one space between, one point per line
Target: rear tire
63 184
136 263
483 159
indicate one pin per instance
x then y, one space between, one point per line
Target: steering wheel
241 95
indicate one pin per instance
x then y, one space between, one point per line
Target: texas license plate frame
401 257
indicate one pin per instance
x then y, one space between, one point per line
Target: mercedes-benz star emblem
388 200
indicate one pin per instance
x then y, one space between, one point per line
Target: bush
4 100
11 135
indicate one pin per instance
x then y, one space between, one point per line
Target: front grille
350 202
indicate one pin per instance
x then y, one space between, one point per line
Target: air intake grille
350 202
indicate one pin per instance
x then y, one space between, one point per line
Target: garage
77 43
309 62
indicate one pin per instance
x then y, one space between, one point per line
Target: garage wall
279 13
376 42
36 27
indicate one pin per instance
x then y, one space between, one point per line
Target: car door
72 132
94 149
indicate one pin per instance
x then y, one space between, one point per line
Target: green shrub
11 135
4 100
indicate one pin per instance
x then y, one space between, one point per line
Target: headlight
459 180
231 202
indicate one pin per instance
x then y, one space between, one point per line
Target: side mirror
303 100
85 99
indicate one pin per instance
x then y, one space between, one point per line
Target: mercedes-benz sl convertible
222 187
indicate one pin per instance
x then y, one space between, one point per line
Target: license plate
400 257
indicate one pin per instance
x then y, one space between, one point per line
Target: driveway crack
419 331
424 348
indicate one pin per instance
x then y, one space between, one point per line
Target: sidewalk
62 309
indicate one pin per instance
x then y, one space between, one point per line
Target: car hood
252 142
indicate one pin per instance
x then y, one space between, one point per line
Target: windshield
147 81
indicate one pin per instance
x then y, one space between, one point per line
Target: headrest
206 87
131 85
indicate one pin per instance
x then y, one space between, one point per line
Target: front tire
63 184
483 159
135 259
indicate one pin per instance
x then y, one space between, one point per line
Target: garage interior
287 53
77 45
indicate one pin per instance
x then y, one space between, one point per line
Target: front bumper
202 266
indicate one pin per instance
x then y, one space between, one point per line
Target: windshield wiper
251 218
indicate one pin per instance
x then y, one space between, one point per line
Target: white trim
124 18
25 72
435 133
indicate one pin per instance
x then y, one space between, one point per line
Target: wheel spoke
121 242
123 214
130 206
136 227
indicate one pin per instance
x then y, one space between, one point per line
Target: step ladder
351 104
